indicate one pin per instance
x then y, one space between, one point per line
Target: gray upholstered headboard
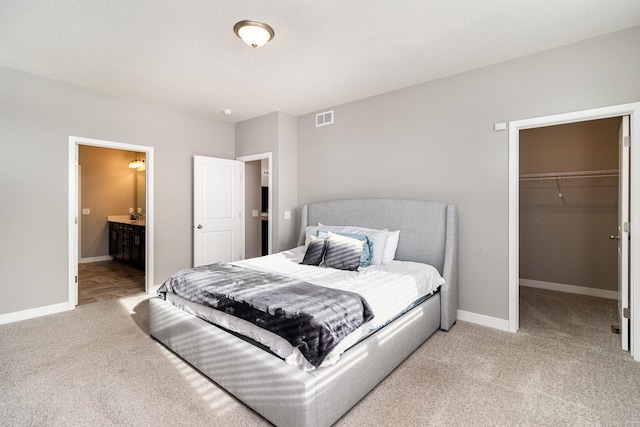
428 234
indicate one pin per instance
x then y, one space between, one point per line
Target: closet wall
565 223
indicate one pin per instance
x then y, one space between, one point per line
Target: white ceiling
183 53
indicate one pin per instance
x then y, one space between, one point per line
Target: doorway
568 206
632 110
74 214
258 205
568 210
111 190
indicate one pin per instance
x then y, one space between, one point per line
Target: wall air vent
325 118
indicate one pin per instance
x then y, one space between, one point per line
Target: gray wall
37 116
276 133
287 166
566 239
435 141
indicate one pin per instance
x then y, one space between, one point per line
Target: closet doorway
515 127
568 209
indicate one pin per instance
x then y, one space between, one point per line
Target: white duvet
388 288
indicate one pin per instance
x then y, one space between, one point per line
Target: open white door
623 232
218 206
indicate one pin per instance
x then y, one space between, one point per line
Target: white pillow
391 246
377 237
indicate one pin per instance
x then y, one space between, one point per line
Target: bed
289 396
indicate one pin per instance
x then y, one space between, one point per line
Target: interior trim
31 313
571 289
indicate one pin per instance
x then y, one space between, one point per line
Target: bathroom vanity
127 240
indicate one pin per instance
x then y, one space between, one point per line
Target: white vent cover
325 118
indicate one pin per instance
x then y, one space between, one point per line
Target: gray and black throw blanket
312 318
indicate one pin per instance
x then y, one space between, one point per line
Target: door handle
199 226
612 237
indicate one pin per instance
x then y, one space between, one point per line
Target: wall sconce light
253 33
136 164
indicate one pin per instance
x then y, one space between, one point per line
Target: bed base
284 394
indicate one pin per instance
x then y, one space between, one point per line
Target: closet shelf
569 175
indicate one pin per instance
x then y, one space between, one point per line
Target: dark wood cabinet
127 243
265 236
115 240
137 247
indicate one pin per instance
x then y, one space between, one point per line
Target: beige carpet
96 366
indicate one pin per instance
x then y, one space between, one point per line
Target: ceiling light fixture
253 33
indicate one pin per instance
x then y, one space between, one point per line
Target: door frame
265 156
73 197
624 181
632 110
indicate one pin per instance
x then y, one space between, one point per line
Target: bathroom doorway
111 223
137 204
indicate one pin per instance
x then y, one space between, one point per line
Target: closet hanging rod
569 175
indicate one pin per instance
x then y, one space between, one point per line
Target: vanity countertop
125 219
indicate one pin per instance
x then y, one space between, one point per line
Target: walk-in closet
568 216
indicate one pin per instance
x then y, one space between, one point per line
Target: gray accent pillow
367 249
315 251
342 252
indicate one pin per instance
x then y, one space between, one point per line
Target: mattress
390 289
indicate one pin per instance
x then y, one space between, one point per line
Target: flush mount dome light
253 33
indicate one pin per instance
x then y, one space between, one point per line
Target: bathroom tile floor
99 281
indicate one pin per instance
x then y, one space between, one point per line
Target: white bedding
388 288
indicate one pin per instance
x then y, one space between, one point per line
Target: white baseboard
572 289
481 319
95 259
33 312
466 316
